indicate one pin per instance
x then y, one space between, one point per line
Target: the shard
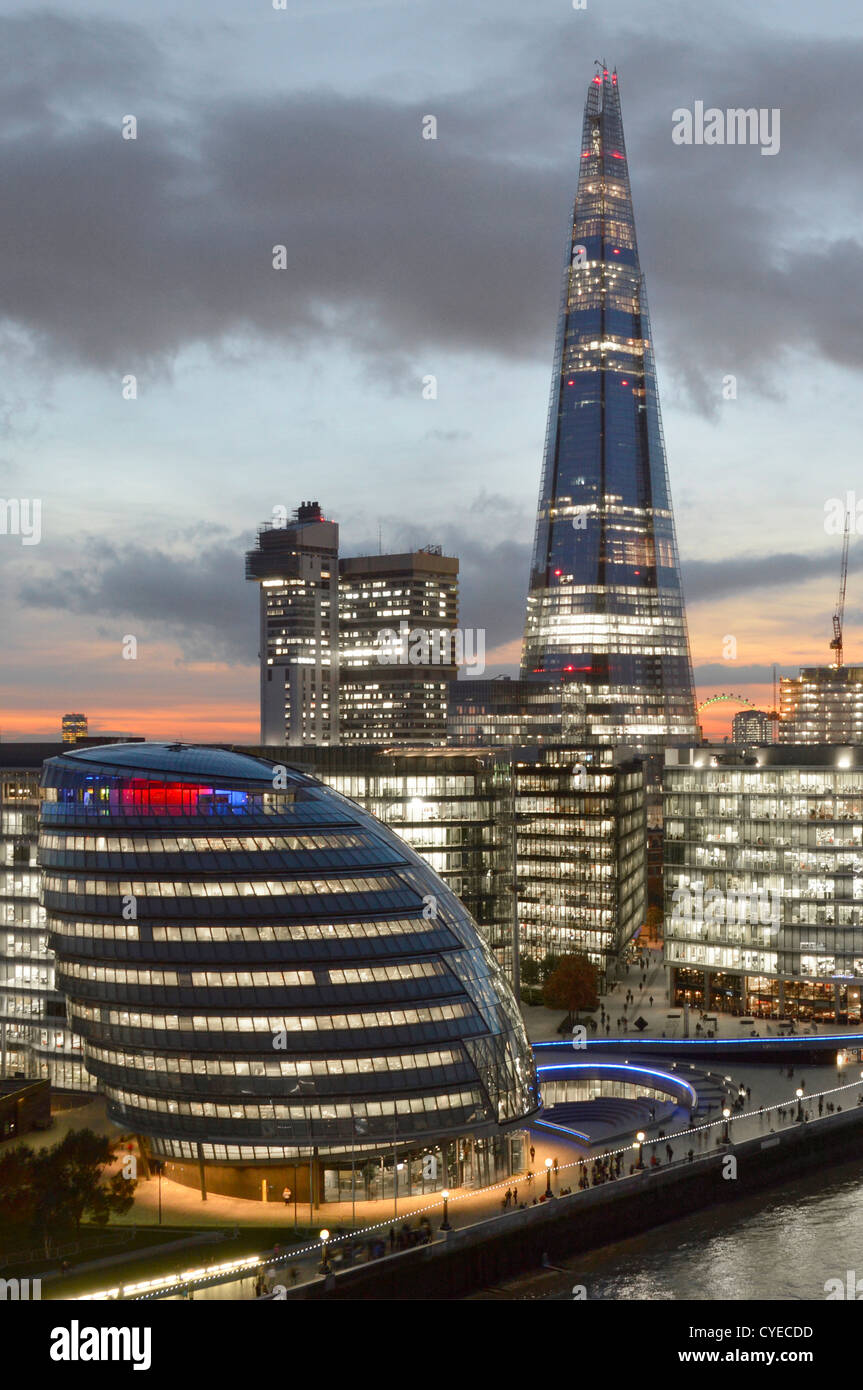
605 613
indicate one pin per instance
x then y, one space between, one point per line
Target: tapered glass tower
605 612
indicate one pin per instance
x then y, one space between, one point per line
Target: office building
73 727
752 726
296 564
822 705
764 880
35 1041
502 712
575 848
398 647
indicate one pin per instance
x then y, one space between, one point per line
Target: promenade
770 1104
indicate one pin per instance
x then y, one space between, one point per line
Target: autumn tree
571 985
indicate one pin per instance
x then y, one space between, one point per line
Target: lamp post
840 1062
325 1235
548 1191
726 1115
639 1140
444 1225
799 1095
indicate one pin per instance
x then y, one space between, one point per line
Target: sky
152 259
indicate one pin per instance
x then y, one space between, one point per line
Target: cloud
121 253
200 600
707 580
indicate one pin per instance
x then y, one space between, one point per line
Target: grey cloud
706 580
201 601
121 253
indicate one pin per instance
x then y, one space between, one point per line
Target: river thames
783 1244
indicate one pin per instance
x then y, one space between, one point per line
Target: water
782 1245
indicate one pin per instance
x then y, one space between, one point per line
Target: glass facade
764 881
35 1040
263 973
397 701
296 566
503 712
579 853
822 705
605 608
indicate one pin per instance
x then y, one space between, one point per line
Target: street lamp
639 1140
444 1225
799 1095
726 1115
548 1191
840 1062
325 1235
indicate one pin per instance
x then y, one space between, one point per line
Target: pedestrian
669 1150
286 1195
532 1153
554 1166
651 1001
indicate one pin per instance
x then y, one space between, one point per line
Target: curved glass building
272 988
605 615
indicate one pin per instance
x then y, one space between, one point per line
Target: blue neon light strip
676 1081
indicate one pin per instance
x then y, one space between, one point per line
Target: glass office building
605 607
271 986
564 824
764 880
35 1040
391 692
822 705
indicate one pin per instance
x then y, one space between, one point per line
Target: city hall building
764 880
271 987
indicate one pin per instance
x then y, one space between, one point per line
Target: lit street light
548 1191
726 1115
639 1140
444 1225
799 1095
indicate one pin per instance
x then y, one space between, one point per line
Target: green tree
17 1195
549 965
571 985
530 970
69 1184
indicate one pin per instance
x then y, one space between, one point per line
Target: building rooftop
180 761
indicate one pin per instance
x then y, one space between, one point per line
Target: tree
548 965
530 970
72 1179
653 924
571 985
17 1197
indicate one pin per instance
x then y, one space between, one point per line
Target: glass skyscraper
605 613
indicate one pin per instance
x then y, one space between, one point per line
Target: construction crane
839 615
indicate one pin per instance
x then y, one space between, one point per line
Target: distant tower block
74 726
